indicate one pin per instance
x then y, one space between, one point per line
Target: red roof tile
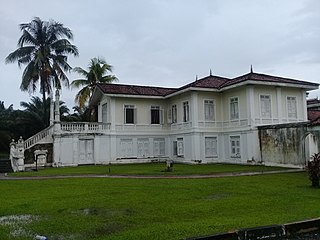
314 117
207 82
210 82
313 101
266 78
112 88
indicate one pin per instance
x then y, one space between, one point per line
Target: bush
313 168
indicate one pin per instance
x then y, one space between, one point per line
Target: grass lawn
149 169
103 208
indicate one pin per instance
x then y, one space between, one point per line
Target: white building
213 119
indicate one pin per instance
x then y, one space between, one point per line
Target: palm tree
43 47
34 111
97 73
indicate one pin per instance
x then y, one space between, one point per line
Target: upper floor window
265 106
209 110
292 107
105 113
156 115
129 114
186 112
234 108
174 113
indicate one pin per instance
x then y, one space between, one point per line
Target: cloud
168 43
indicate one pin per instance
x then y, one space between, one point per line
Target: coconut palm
34 111
98 70
43 47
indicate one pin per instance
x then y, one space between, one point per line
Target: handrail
37 137
84 126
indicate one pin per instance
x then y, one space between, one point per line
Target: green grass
148 169
103 208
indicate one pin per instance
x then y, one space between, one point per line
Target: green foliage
97 73
98 208
43 47
313 168
27 122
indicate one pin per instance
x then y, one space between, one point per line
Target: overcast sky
169 42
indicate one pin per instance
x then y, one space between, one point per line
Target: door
86 151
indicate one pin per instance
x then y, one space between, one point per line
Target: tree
43 47
313 169
34 112
5 123
97 73
79 115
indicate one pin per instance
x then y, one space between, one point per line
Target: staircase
5 166
45 136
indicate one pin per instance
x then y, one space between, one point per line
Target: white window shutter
135 115
161 116
169 113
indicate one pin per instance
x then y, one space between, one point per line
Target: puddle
16 219
17 224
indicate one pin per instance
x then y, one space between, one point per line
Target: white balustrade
86 127
44 134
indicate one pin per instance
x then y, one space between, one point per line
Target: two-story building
213 119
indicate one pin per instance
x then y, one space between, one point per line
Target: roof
112 88
313 101
314 117
209 82
267 78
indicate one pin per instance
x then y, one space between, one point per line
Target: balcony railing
141 127
84 127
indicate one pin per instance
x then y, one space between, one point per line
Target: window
158 147
265 105
104 113
208 110
292 107
129 114
185 112
211 146
234 108
143 147
175 148
126 148
235 146
180 147
174 113
156 115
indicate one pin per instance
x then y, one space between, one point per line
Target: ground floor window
159 147
143 147
126 148
211 146
180 147
235 146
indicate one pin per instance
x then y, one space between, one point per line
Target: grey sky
169 42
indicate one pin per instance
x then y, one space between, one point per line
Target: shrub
313 169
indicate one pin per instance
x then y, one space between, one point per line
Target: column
250 105
279 104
